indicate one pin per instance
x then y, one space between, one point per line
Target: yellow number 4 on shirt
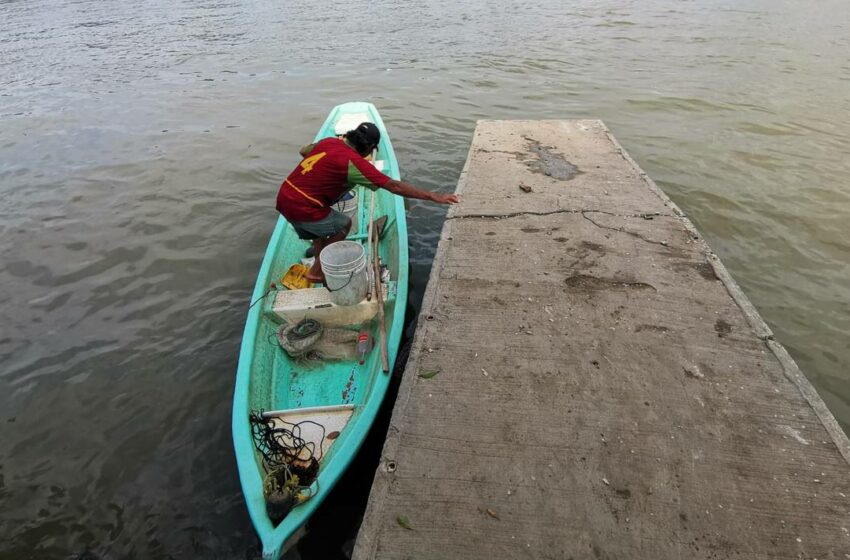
308 163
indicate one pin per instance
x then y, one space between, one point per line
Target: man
330 168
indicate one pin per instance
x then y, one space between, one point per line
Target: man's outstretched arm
409 191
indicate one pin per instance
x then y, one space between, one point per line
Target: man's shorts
331 224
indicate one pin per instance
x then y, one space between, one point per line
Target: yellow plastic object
296 277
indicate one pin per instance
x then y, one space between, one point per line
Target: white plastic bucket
344 266
348 206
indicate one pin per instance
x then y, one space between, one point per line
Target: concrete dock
587 381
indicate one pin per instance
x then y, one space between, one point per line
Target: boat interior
323 395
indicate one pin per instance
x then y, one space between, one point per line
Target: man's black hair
364 138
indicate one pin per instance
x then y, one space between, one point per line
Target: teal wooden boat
341 397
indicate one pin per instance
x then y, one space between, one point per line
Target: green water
141 146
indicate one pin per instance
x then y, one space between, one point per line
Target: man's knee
342 225
342 232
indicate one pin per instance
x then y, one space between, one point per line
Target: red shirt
330 169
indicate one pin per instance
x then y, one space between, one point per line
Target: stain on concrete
549 162
624 493
587 283
654 328
706 270
593 246
586 254
722 328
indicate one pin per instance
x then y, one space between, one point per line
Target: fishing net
291 462
309 343
335 345
299 339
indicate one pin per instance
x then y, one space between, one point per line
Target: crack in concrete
515 153
621 230
583 212
645 215
514 214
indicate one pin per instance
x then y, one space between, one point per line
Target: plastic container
348 206
364 345
296 277
344 266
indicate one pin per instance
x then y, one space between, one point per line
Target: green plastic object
268 379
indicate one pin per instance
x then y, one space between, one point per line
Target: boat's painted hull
267 380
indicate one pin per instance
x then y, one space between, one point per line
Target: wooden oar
371 157
378 229
369 248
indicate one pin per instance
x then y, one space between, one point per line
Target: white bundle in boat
337 344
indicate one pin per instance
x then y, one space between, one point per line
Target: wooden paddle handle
380 294
370 270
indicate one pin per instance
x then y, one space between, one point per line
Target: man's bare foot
315 273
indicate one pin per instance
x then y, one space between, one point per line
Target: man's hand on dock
446 198
409 191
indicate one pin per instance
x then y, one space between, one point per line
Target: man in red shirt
330 168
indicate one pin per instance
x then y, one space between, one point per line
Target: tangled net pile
291 463
300 338
310 344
